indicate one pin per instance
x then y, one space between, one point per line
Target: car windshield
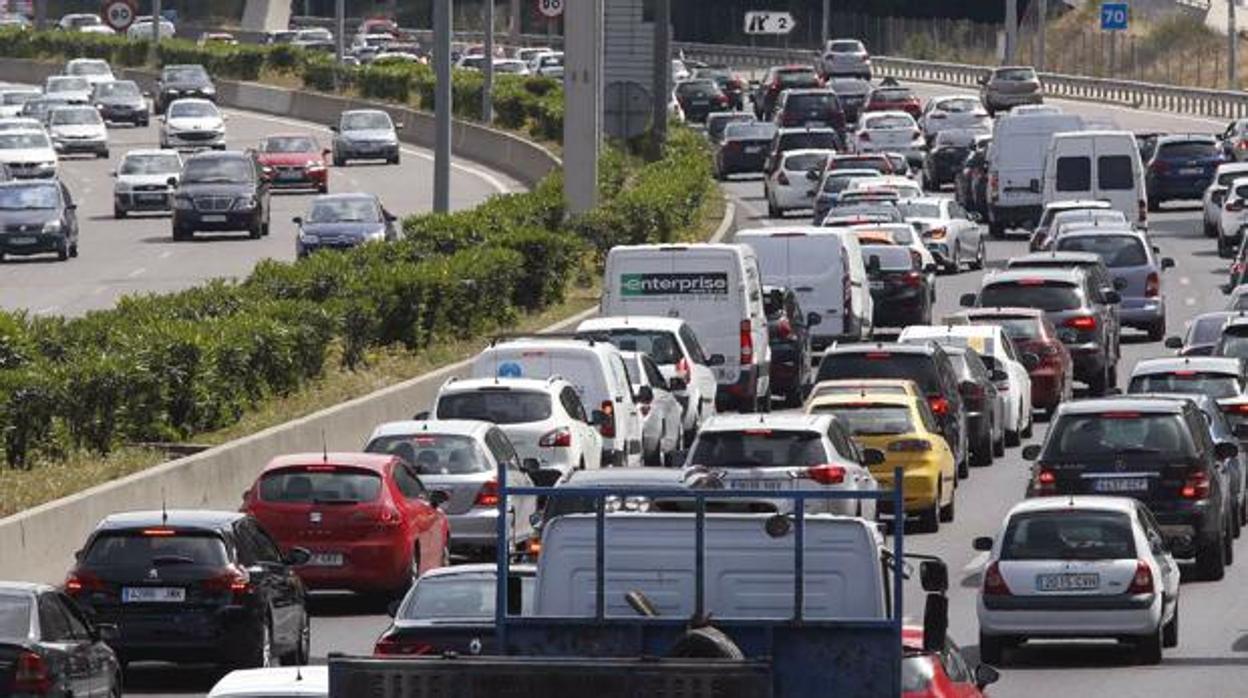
849 87
919 209
353 210
1215 385
836 183
1048 296
184 74
1109 434
288 144
218 170
460 596
74 117
888 123
892 94
12 98
1115 250
68 84
1187 150
120 88
1015 74
749 132
366 121
89 68
798 79
812 101
503 406
891 257
320 484
759 448
919 368
803 162
958 105
21 141
29 196
155 163
192 110
14 616
870 420
1069 535
433 454
1226 178
155 547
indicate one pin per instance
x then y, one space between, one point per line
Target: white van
1016 167
717 289
595 370
1097 165
748 573
824 268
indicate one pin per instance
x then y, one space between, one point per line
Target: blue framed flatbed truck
756 605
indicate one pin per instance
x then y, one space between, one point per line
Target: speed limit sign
550 8
118 14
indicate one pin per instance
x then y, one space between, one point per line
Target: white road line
98 290
1189 301
136 273
166 254
1184 281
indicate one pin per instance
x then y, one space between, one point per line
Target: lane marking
1189 301
166 254
1184 281
98 290
136 273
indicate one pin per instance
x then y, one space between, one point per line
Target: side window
929 419
266 547
956 210
409 485
247 554
621 375
1007 346
572 404
78 624
690 340
53 624
258 546
653 376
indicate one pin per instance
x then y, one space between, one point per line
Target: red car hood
287 158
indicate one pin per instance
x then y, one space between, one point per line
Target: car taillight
533 547
1235 205
1159 167
912 279
607 427
936 233
994 186
1081 322
31 675
864 136
909 445
940 406
747 343
1240 409
784 329
391 646
1046 482
682 370
994 583
235 582
1196 486
826 474
82 583
1142 580
1152 286
722 100
487 496
782 179
558 438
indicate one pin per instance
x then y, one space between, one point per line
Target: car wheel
1154 205
1211 560
929 519
339 161
990 649
394 160
302 652
1150 647
772 210
947 511
258 654
1224 250
955 264
1228 543
981 256
73 249
653 459
63 253
996 231
103 154
1170 631
1027 430
256 230
1099 384
1157 330
1211 230
998 446
1012 438
119 213
964 467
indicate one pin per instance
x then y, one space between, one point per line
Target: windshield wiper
161 560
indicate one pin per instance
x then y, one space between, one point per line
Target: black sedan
37 217
788 333
178 81
48 647
195 587
343 221
947 156
220 191
700 97
901 289
744 148
121 101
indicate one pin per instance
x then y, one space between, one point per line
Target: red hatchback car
367 519
1033 333
294 161
943 674
894 98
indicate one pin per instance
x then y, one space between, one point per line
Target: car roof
637 322
371 461
192 100
741 422
479 568
9 587
208 520
1069 274
1141 403
1070 204
607 477
891 347
1181 137
465 385
1204 364
312 680
1059 256
1124 505
147 152
1000 311
345 196
440 427
1232 167
805 129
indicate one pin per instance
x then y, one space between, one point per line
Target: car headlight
48 165
182 202
52 227
245 202
375 236
316 165
309 238
209 90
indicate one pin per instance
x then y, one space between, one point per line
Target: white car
845 57
77 21
548 65
905 187
954 111
661 433
510 66
142 29
94 70
947 231
192 123
675 348
21 123
1215 193
1076 567
1234 216
142 181
12 98
78 130
28 154
74 89
889 132
787 187
274 682
544 419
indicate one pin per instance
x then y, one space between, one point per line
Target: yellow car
903 428
858 386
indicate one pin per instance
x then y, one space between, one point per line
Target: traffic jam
798 368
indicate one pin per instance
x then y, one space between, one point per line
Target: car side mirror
677 384
1225 450
390 217
107 632
715 360
1113 297
1174 342
1120 284
297 220
982 80
530 466
597 417
813 175
813 319
421 416
297 556
934 576
392 608
334 129
1030 361
172 181
982 543
873 264
645 394
872 456
930 268
1167 262
985 676
967 300
998 375
1226 288
438 497
1031 452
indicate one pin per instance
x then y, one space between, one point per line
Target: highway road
138 254
1212 657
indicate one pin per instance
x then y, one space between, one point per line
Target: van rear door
1018 154
811 265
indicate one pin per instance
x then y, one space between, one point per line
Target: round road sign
118 14
550 8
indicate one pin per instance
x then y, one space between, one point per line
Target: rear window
892 257
433 454
879 163
1215 385
870 420
461 597
1069 535
805 162
1047 296
155 547
497 406
825 101
660 346
826 140
1109 434
798 79
834 184
892 94
889 122
1114 250
958 106
1187 150
1074 173
749 132
845 47
1226 178
1017 329
14 616
1206 330
1114 172
919 209
1015 74
760 448
320 485
920 368
697 89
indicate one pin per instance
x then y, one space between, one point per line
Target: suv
544 419
788 332
219 192
810 107
926 364
1008 87
778 79
365 134
1085 314
1157 450
1180 167
179 81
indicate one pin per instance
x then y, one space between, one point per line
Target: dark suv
1084 312
220 191
788 333
1157 450
193 586
926 364
178 81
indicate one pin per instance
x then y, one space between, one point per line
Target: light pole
1232 52
442 10
487 88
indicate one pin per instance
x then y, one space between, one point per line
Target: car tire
1012 438
1149 647
981 455
929 519
302 652
1154 205
948 511
964 468
257 652
1228 543
181 233
1211 561
981 256
991 649
393 161
1211 230
63 253
996 231
1170 631
1027 430
772 210
256 231
1098 385
998 446
1224 250
955 265
1157 330
119 213
102 155
706 643
73 250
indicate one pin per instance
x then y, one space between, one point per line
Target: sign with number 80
550 8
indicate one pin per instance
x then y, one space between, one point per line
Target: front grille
195 135
151 187
23 227
214 203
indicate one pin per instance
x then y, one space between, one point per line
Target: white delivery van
1016 167
595 370
824 267
1102 165
717 289
749 573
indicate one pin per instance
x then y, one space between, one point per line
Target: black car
178 81
1157 450
970 184
220 191
788 333
193 586
777 80
852 93
979 397
38 217
700 97
901 289
812 107
926 364
48 647
728 82
718 122
121 101
744 148
947 156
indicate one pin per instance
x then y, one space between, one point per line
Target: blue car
343 221
1136 269
1180 167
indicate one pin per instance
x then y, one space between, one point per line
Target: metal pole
156 32
1232 52
340 29
1011 30
662 73
1042 10
513 24
442 10
824 29
41 14
487 87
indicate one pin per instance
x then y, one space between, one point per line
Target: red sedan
894 98
1033 333
369 522
943 674
296 162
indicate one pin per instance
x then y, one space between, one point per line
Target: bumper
181 636
1006 101
1177 188
303 249
792 198
230 220
301 178
31 243
920 485
32 171
898 311
1015 216
76 145
384 152
1190 528
143 201
1142 312
1070 616
177 141
474 530
747 388
1046 388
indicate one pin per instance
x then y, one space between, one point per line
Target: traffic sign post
550 8
118 14
777 23
1115 16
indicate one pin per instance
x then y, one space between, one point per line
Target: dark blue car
343 221
1180 167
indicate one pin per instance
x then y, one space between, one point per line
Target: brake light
158 532
682 369
1046 482
783 179
235 582
31 675
1085 323
1235 205
607 428
1196 486
784 329
487 496
940 406
558 438
910 446
937 233
826 474
912 279
1236 409
1142 581
1152 286
747 343
864 136
994 583
80 582
533 547
1159 167
390 646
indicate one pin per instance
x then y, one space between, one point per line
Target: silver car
366 134
1137 271
1010 86
845 57
662 434
947 230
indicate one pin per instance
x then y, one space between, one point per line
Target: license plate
325 560
877 285
22 241
153 595
213 218
699 102
292 175
1191 170
152 198
752 149
1121 484
815 124
1068 582
769 485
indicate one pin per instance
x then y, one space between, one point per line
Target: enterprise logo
697 284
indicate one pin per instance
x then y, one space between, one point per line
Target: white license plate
698 102
769 485
1121 484
752 149
1191 170
153 595
287 176
213 218
815 124
152 198
326 560
877 285
22 241
1068 582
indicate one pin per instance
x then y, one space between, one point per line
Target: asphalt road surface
138 255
